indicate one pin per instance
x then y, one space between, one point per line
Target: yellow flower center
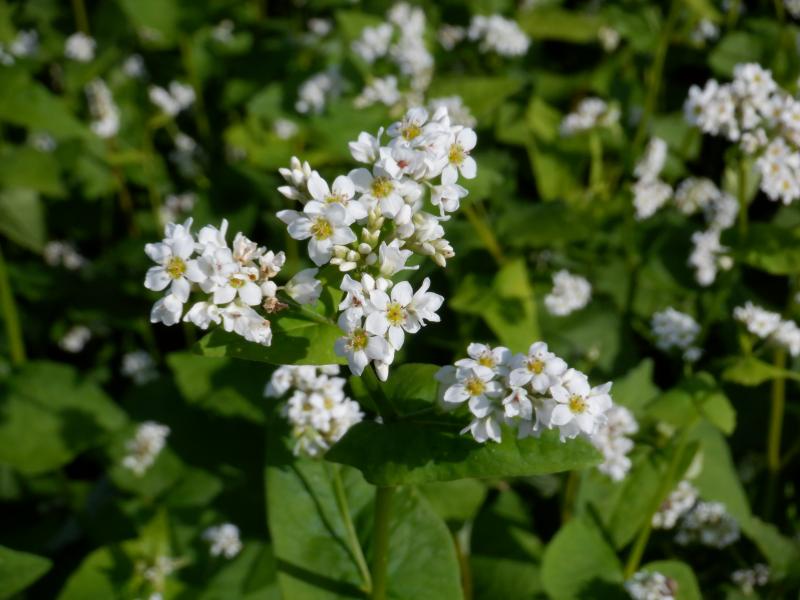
328 402
330 199
577 404
411 131
358 339
381 187
176 267
395 314
535 366
486 360
235 282
474 386
321 229
456 155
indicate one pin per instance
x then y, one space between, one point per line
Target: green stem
637 552
11 317
656 75
778 403
81 18
570 492
485 233
380 558
382 403
596 176
742 193
352 537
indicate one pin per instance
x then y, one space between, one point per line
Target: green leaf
297 339
556 224
751 371
408 452
704 9
695 396
782 553
158 19
511 312
251 575
734 48
566 26
104 573
48 415
772 249
26 167
688 589
19 570
412 387
455 501
483 95
22 218
579 563
636 389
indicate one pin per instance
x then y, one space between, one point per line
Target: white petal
156 279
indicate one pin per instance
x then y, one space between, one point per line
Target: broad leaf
782 552
22 218
750 371
18 570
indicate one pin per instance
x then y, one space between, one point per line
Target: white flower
611 439
458 158
570 293
674 329
381 90
174 268
80 47
608 37
758 576
246 322
498 359
342 193
105 114
498 34
708 256
678 503
390 316
144 448
64 254
134 67
284 128
224 540
458 112
179 97
315 92
373 42
139 366
75 339
651 585
541 369
167 310
304 287
651 164
475 386
579 408
758 321
324 225
380 189
649 196
359 347
709 524
26 43
589 114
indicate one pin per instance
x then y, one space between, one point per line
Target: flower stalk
16 343
350 530
380 558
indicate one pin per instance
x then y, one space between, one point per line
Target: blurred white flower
224 540
144 448
80 47
570 293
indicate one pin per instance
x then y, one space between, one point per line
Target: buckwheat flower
392 258
713 109
788 335
705 31
174 268
373 43
378 188
651 164
366 148
695 194
540 368
475 386
608 37
315 92
105 114
167 310
134 67
498 359
25 43
342 192
324 225
780 172
792 7
613 442
589 114
674 329
579 408
679 502
304 287
458 158
297 176
60 253
498 34
246 322
353 305
447 196
758 576
179 97
459 113
284 128
320 27
759 322
359 347
570 293
42 141
708 256
224 540
75 340
139 367
709 524
389 316
649 196
380 90
144 448
423 307
486 428
651 585
80 47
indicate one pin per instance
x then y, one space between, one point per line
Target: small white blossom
75 340
139 366
651 585
613 442
674 329
144 448
80 47
589 114
174 100
304 287
709 524
224 540
498 34
758 576
679 502
570 293
105 114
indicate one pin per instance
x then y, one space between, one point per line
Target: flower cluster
173 100
224 540
649 192
139 367
709 524
527 392
80 47
386 204
749 579
499 35
234 280
678 503
315 91
769 325
651 585
674 329
570 293
177 205
58 253
318 409
105 114
25 44
144 448
612 441
764 119
590 113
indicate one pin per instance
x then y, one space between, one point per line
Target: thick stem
81 17
380 557
350 530
16 344
570 492
484 232
777 407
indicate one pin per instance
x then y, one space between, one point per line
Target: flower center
577 404
331 198
535 366
328 403
411 131
358 340
486 360
395 314
321 229
456 155
176 267
475 386
381 187
235 281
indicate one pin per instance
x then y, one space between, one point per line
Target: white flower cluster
498 34
678 503
401 39
570 293
705 31
651 585
749 579
139 366
174 99
26 43
675 329
764 119
224 540
527 392
612 441
709 524
769 325
649 192
792 7
590 113
459 113
105 114
75 340
318 409
58 253
235 280
80 47
386 202
144 448
315 91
